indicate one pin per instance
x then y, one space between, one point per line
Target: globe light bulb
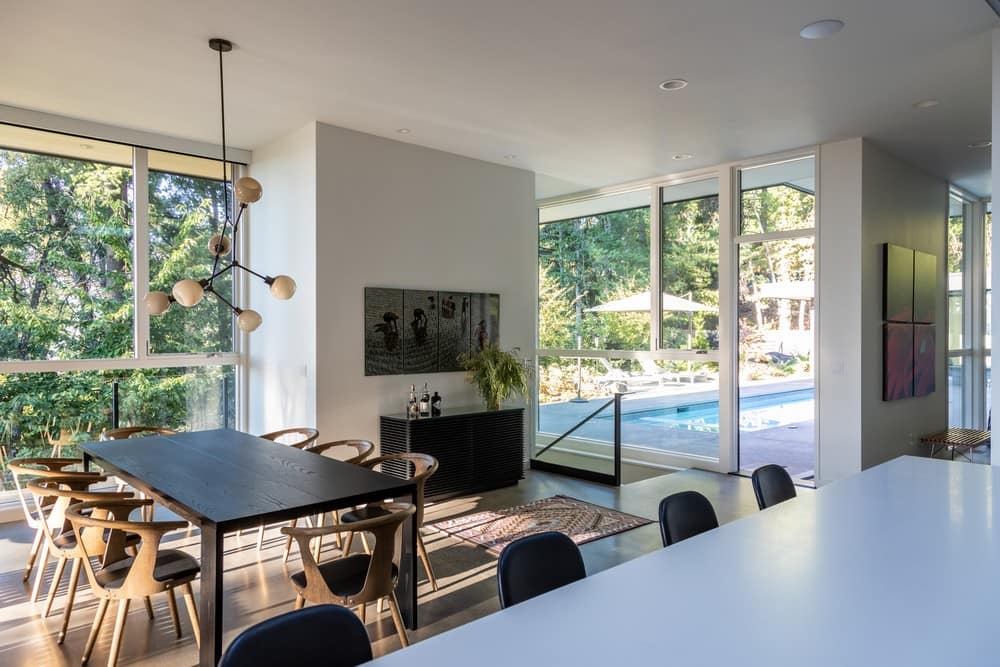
188 292
248 321
283 287
157 303
219 245
248 190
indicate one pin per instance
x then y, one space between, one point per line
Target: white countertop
898 565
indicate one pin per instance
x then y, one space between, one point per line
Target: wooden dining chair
537 564
127 433
22 470
123 577
772 485
348 451
358 579
328 635
53 495
419 467
684 515
299 437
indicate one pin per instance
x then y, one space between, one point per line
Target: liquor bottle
435 405
412 408
425 403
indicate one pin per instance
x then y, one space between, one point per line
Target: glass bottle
435 405
425 403
412 408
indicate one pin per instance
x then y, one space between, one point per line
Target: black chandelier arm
225 172
266 279
218 273
223 300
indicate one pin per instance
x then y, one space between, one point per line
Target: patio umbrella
642 302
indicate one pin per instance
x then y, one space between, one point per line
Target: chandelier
189 292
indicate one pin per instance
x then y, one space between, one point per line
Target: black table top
453 412
228 477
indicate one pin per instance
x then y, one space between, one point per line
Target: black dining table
223 481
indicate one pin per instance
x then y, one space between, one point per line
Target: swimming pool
757 413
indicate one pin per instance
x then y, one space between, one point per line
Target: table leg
211 595
86 462
406 586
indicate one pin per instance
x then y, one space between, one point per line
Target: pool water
757 413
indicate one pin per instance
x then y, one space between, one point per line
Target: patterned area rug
582 522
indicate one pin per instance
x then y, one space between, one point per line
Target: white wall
904 206
839 316
282 229
393 214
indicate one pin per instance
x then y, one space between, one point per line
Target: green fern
497 374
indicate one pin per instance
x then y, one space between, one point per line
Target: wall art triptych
424 331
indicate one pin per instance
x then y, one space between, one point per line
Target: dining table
896 565
224 481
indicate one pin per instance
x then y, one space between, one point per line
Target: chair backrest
126 432
112 515
361 449
649 367
299 437
54 495
385 554
418 468
322 635
24 469
537 564
684 515
772 485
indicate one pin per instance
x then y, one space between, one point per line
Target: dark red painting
897 376
923 359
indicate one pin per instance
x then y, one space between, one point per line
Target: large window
79 248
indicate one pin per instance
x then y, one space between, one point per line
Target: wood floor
256 584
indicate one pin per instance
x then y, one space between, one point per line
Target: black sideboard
478 449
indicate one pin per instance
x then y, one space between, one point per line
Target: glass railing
50 414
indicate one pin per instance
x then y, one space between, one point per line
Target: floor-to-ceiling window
776 307
80 245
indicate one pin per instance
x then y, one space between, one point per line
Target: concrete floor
257 584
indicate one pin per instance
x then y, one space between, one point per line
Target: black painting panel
384 323
420 333
924 366
897 295
454 329
485 320
924 287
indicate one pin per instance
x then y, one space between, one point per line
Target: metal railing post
114 404
618 439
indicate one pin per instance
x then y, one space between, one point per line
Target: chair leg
336 522
288 541
426 561
54 586
397 620
172 605
149 606
364 542
299 602
346 549
40 574
260 538
74 581
192 612
33 554
361 613
95 629
116 638
319 540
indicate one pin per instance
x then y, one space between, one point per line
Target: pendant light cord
225 173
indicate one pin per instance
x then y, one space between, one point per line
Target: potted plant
497 374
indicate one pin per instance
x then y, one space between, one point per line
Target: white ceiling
568 86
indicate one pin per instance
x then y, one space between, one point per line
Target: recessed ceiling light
821 29
683 156
926 104
982 143
509 156
403 130
673 84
